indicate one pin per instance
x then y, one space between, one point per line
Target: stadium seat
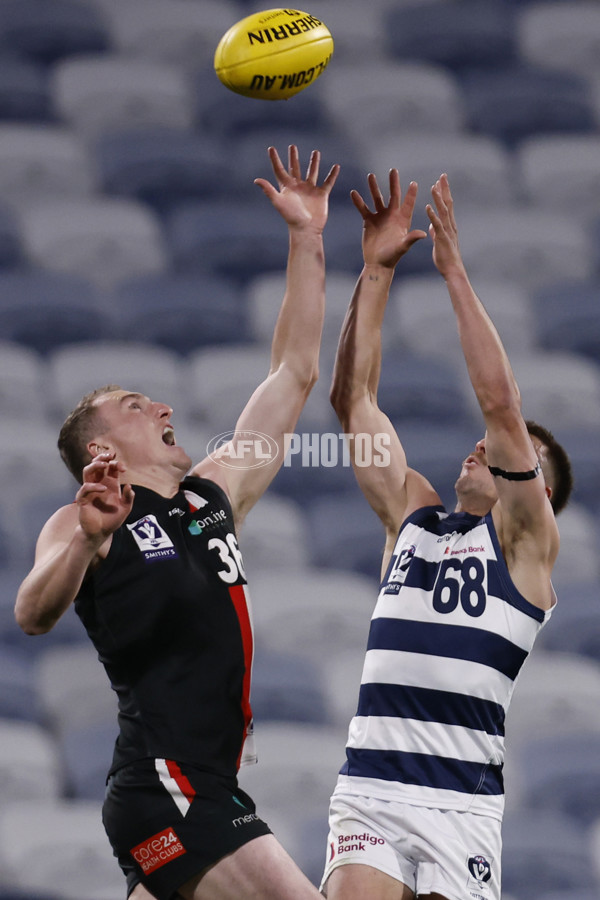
525 246
220 381
182 312
564 34
22 381
549 383
229 238
48 30
557 694
567 317
154 371
42 310
86 753
575 622
73 688
345 533
25 92
419 387
298 767
582 444
541 852
562 776
274 536
29 462
391 98
39 161
463 33
172 31
286 689
161 167
106 240
60 843
303 612
421 317
479 168
12 253
561 172
516 102
98 94
18 692
577 560
30 767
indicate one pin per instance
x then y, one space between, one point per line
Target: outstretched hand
446 251
302 202
386 231
102 502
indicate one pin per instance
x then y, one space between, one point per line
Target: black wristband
516 476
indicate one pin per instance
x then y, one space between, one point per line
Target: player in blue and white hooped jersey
418 805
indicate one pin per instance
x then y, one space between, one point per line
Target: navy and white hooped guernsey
448 637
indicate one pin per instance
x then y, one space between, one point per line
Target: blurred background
135 248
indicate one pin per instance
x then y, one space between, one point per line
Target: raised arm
391 489
523 514
70 542
276 404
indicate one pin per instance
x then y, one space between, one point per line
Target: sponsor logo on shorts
480 874
244 820
355 842
158 850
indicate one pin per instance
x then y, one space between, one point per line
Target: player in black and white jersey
418 805
149 555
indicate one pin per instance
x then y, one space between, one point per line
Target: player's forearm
51 586
488 365
297 335
358 360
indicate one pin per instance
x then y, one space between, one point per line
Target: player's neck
159 479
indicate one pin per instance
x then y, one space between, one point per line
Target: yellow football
273 54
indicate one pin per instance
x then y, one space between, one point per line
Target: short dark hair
560 474
79 428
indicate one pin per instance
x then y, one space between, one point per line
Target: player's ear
549 492
96 447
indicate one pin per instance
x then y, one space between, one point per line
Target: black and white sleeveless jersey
449 634
169 614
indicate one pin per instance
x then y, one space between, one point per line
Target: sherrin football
273 54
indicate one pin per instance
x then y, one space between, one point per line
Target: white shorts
456 854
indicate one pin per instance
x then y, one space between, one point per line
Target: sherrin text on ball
273 54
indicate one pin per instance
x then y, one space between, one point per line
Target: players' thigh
355 882
259 870
140 893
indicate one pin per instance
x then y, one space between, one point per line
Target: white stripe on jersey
382 733
436 673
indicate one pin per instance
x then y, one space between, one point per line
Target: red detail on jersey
157 850
238 597
181 780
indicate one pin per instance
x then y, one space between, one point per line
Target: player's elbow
29 621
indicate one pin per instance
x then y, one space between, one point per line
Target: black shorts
167 822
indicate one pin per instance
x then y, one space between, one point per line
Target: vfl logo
480 869
399 569
151 539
